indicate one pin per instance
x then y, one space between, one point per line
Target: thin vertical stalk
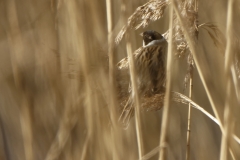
112 92
165 118
189 119
190 91
110 48
135 97
112 59
228 61
226 131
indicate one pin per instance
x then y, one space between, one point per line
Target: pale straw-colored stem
228 61
112 87
112 62
135 97
235 82
190 94
167 101
189 119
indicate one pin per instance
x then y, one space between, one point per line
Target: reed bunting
150 62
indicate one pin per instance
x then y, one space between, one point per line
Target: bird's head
149 36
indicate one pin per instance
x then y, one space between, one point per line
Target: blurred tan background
54 84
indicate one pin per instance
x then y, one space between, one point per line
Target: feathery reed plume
143 15
215 34
189 13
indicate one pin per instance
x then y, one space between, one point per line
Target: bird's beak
141 34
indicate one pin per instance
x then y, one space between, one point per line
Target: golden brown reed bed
58 97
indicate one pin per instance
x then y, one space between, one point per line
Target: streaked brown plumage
150 61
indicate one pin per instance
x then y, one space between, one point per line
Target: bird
150 63
150 67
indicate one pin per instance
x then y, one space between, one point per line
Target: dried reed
59 94
167 104
228 122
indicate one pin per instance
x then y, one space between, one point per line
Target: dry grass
59 97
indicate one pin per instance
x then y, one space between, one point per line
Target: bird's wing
124 63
